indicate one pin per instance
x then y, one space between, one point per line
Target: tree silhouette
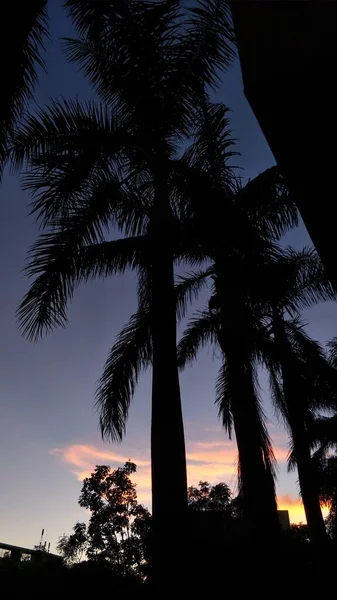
22 52
118 533
210 497
94 167
313 381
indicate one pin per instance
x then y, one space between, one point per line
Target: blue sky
49 437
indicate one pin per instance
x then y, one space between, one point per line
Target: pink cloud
212 461
82 459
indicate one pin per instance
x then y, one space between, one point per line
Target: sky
49 437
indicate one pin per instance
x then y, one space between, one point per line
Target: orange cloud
212 461
82 458
295 508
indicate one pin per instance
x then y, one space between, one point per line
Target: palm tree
225 231
301 361
260 211
303 380
241 236
24 29
245 328
322 430
96 167
132 350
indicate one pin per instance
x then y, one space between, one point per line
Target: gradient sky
49 437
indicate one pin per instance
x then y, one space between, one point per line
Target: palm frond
59 266
188 288
267 201
323 432
72 150
131 353
223 400
332 349
260 419
276 389
291 460
23 50
212 143
206 46
315 374
200 329
304 280
124 50
67 126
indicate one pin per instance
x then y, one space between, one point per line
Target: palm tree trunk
296 411
307 480
256 479
168 459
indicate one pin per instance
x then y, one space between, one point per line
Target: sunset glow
212 461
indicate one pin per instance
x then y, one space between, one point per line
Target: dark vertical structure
288 54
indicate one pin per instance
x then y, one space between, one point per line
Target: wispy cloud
82 459
213 461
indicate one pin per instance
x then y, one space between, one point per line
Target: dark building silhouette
18 553
288 54
284 519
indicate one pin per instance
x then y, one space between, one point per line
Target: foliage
206 497
93 167
326 472
298 533
119 528
23 51
74 546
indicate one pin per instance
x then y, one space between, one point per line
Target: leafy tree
74 546
206 497
118 532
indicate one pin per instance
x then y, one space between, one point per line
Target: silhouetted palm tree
94 167
23 31
322 429
132 350
303 380
243 324
229 227
239 233
326 477
301 365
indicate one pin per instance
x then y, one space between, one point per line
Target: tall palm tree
227 230
322 430
241 236
94 167
307 380
324 440
244 326
24 29
300 361
132 350
238 234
